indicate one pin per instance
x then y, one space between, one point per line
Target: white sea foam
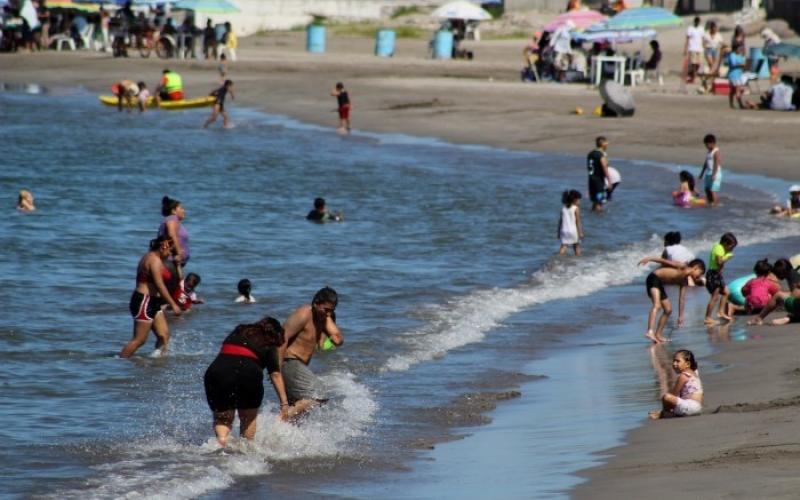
168 469
466 320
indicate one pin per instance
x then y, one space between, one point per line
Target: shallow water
444 267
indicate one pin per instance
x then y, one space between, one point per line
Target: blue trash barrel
315 38
384 43
756 55
443 45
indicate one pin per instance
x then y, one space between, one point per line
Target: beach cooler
721 86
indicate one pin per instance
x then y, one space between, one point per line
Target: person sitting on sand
686 397
715 282
792 204
244 288
25 201
670 273
758 291
219 105
321 214
687 193
778 98
791 303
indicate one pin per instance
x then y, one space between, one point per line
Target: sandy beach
746 449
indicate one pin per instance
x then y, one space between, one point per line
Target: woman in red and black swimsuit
149 297
234 381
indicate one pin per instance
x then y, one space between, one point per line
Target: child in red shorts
343 99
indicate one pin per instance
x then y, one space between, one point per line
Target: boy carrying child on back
670 273
715 282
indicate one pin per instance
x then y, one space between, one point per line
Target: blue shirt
733 60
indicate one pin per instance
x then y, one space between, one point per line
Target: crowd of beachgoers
234 381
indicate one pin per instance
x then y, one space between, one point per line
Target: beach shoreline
752 452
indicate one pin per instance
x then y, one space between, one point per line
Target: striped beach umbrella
207 6
582 19
640 18
73 5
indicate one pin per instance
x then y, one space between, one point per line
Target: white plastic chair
634 75
61 40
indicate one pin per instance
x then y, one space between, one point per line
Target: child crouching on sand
791 303
758 291
686 397
570 228
670 273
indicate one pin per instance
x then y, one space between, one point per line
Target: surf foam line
467 319
165 468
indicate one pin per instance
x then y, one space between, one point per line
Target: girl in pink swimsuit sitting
686 397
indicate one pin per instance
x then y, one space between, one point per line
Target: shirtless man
306 329
670 273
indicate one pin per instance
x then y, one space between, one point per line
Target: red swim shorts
344 112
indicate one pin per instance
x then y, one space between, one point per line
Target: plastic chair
63 39
753 76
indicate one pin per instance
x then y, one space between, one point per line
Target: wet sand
746 451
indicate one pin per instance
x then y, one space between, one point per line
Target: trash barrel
315 38
443 45
384 43
757 55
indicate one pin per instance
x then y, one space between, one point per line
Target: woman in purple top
172 226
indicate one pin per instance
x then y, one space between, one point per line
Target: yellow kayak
197 102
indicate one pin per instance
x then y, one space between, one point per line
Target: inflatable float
686 200
735 287
197 102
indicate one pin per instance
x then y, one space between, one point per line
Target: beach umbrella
614 36
582 19
617 98
783 50
461 10
207 6
73 5
641 18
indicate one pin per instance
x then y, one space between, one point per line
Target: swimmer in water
320 213
25 201
149 296
244 287
184 294
670 273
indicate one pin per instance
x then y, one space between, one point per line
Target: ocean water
448 285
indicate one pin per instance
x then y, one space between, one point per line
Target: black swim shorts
714 281
597 190
145 307
654 281
234 383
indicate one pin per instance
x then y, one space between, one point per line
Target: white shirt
712 41
695 37
679 253
560 42
613 176
781 97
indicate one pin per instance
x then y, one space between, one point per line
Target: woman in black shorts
234 380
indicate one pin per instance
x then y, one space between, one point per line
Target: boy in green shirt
715 283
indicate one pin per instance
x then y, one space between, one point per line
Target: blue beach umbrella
208 6
783 50
640 18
